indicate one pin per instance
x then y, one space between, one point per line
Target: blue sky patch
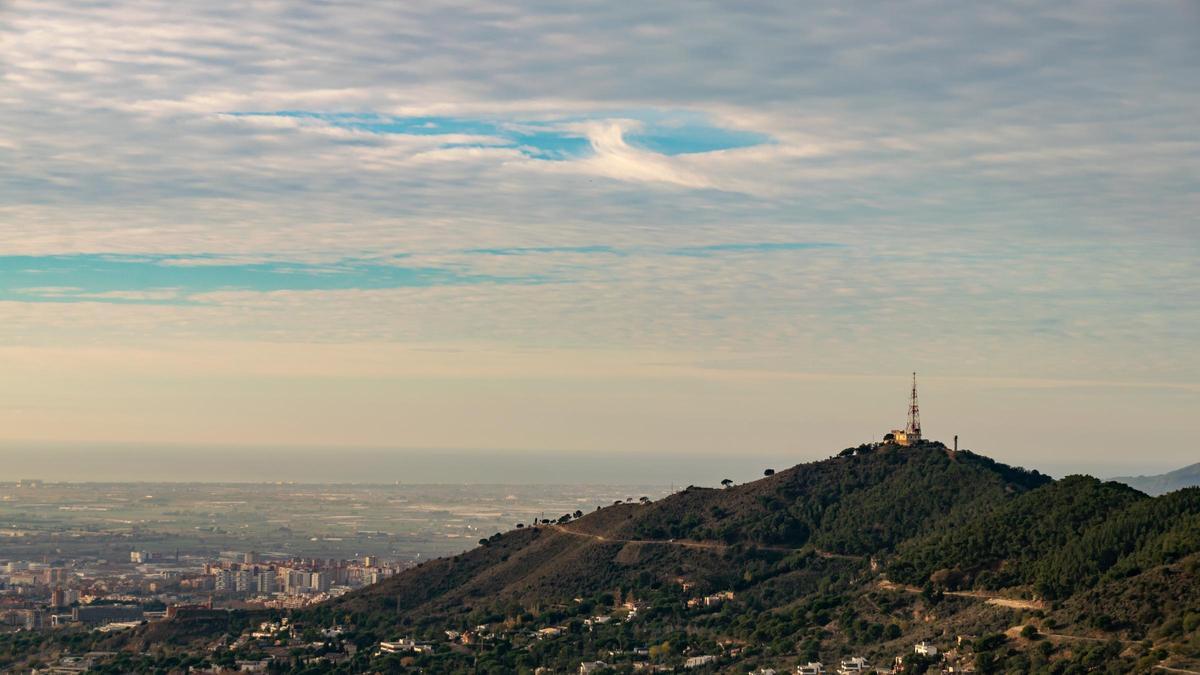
693 138
161 279
663 133
178 279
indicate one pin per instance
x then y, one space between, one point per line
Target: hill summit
878 545
862 502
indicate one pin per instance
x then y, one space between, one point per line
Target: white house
397 646
404 645
697 661
853 665
596 620
811 668
925 649
587 667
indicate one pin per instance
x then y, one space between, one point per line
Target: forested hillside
806 551
860 503
862 554
1058 539
865 500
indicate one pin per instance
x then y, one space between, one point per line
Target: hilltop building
911 433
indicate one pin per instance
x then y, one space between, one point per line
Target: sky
672 229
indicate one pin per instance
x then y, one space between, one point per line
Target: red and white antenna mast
913 430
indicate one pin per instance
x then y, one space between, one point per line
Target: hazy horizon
309 465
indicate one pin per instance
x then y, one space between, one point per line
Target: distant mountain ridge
1160 484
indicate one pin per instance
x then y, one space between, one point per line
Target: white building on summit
911 433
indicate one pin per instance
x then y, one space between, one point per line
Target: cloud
922 119
611 174
614 158
638 147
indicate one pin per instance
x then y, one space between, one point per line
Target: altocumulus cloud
612 165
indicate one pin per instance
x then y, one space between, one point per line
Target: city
99 554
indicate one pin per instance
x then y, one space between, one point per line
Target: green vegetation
1059 539
863 554
866 500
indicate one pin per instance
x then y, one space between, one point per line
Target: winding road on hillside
989 598
685 543
691 543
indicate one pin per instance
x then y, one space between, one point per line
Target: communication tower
911 433
913 429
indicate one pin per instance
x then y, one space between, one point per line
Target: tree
985 662
931 593
769 472
727 482
578 513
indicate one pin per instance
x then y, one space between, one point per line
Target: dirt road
690 543
989 598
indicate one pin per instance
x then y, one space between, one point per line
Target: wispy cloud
662 133
632 147
753 247
534 250
1002 189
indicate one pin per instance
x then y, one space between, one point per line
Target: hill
860 503
864 553
1188 476
863 501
